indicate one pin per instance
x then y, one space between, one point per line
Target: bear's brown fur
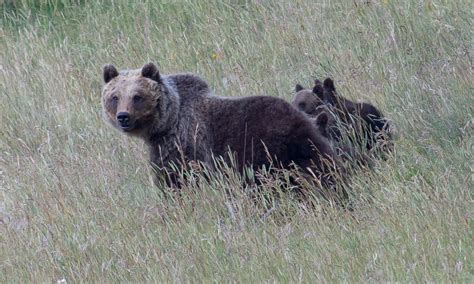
181 120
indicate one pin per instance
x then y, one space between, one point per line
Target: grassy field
77 201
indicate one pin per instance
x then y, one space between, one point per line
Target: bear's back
256 126
188 86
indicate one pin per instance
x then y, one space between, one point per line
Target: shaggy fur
181 120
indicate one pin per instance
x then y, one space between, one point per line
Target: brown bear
181 121
364 119
376 127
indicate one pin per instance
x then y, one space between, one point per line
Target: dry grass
77 201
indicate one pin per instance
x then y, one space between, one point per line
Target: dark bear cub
182 122
366 116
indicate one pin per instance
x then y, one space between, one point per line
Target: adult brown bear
182 121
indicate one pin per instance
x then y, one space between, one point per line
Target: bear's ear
150 71
329 84
322 119
109 73
319 91
317 82
298 88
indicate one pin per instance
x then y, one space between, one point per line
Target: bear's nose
123 117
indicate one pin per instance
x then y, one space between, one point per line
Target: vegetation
77 201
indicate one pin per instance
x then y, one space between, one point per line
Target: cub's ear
150 71
319 91
109 73
317 82
298 88
329 84
322 119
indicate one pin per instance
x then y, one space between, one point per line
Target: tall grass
77 200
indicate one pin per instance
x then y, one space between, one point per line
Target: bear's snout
124 120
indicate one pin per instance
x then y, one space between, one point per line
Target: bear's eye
114 98
137 99
302 105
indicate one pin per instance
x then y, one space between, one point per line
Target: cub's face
129 101
307 100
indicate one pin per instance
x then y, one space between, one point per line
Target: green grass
77 200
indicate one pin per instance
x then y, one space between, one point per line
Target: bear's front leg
169 165
171 176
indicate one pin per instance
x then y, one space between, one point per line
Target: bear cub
182 121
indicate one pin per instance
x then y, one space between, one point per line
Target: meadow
77 200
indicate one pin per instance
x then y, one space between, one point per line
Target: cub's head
130 99
330 95
307 100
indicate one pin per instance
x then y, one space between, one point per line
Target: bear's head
331 97
307 100
130 99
